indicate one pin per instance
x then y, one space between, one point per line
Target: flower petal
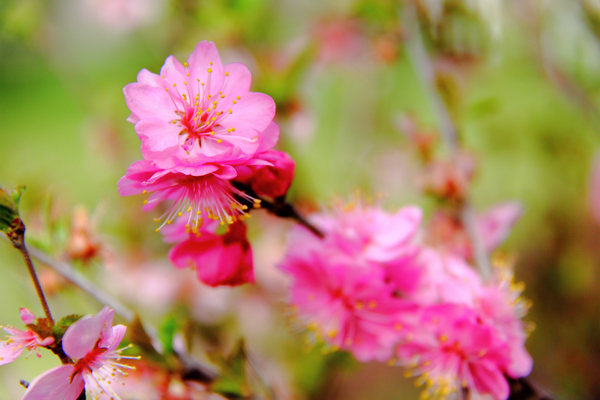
55 384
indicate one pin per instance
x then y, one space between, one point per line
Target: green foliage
63 324
233 382
166 333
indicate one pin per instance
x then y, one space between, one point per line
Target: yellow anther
359 305
185 83
230 111
156 219
219 141
212 133
244 207
222 223
174 84
398 326
443 338
189 209
209 70
238 97
144 192
226 73
332 333
179 214
167 89
222 96
198 212
145 202
234 102
169 222
213 118
214 102
185 64
157 230
372 304
232 129
162 77
210 63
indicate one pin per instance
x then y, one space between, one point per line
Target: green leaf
9 209
63 324
166 333
233 383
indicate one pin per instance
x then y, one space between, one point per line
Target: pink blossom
454 348
502 306
347 303
210 196
197 117
218 259
365 232
92 344
17 341
269 180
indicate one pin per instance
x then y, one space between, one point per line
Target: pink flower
199 116
218 259
269 180
92 344
365 232
210 196
594 196
347 303
17 341
454 348
502 306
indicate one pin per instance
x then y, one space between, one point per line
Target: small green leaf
63 324
166 333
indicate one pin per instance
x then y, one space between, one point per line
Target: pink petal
81 337
237 81
149 102
253 112
148 78
173 72
270 136
158 135
26 316
595 189
495 225
200 61
10 352
118 333
489 379
55 384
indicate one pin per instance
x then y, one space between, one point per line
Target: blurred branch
425 71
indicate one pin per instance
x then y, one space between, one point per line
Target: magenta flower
17 341
348 304
199 113
269 180
92 344
452 349
197 197
219 260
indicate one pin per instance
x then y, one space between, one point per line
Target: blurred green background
519 77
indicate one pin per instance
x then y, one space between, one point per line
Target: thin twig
425 71
20 245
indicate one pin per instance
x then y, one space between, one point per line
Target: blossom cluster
207 146
91 359
374 286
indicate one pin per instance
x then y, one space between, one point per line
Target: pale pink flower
269 180
17 341
218 259
92 344
347 303
199 114
454 348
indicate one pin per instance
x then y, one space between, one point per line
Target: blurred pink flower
201 117
92 343
452 349
347 303
218 259
122 15
17 341
269 180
